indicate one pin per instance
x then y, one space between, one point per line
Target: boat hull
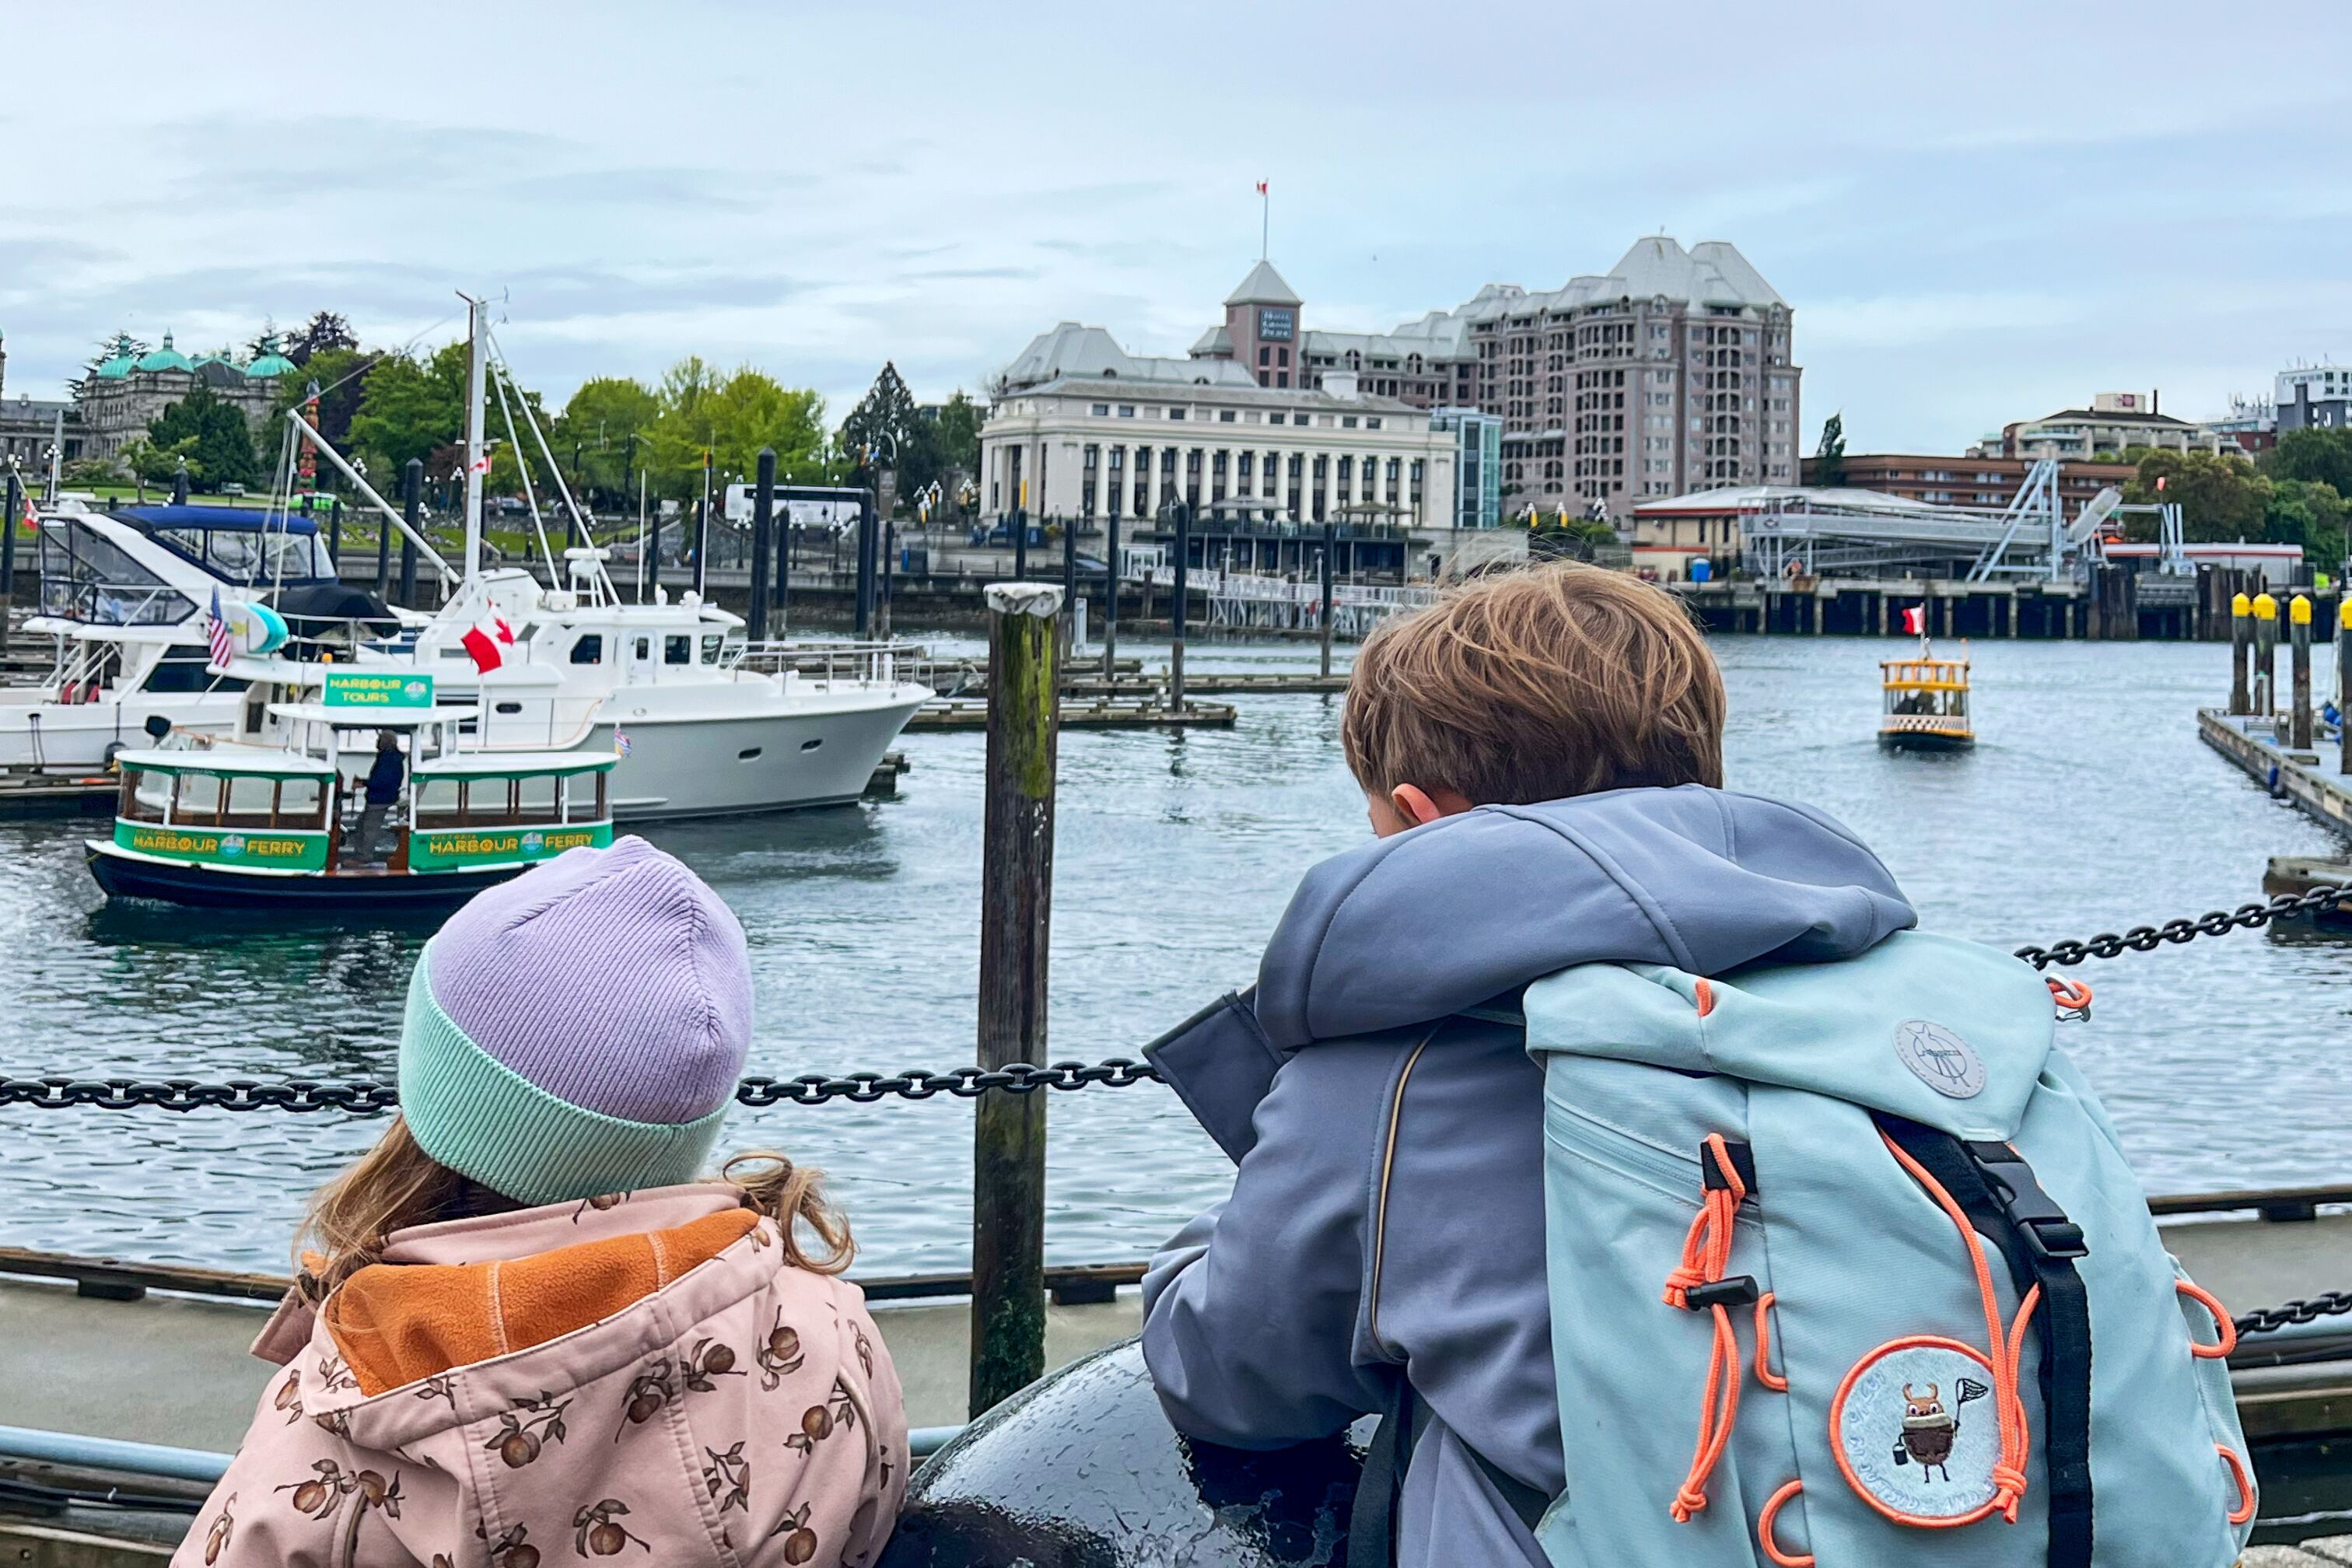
1923 741
213 887
80 736
791 758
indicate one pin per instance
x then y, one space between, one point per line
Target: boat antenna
578 517
522 463
476 330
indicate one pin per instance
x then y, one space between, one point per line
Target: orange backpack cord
1706 1253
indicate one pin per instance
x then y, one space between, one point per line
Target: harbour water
2089 805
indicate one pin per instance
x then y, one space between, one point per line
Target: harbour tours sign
377 688
458 849
276 851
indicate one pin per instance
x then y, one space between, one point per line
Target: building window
1371 421
1127 411
1224 416
1282 378
1346 421
1176 414
1265 356
1101 410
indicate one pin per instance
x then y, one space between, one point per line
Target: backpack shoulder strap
1371 1517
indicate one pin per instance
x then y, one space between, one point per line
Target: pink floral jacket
704 1401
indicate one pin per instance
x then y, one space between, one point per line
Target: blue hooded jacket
1355 1069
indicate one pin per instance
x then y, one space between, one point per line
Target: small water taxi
223 825
1924 703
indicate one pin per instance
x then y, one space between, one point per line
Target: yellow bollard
2265 656
2242 648
2298 615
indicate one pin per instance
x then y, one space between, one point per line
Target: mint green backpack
1847 1267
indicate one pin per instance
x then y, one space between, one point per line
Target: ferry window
535 797
301 801
150 794
678 650
249 798
588 648
186 671
437 800
197 798
645 648
710 646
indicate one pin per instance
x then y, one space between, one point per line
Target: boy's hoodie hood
1468 909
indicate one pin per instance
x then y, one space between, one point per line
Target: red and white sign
1914 619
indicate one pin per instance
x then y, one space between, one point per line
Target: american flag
222 647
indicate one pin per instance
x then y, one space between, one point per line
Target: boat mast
474 463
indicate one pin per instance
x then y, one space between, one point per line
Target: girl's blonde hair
396 1184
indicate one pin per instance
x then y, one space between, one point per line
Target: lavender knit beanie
579 1030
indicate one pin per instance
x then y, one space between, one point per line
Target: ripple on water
2090 806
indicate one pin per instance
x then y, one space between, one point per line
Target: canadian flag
505 632
482 641
1914 619
480 464
32 518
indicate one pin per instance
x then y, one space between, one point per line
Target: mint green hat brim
483 1119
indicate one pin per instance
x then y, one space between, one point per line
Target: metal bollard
2265 656
2298 617
2241 638
1016 888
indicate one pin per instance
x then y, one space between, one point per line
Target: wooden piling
1070 591
1330 548
1008 1199
8 551
1181 607
2298 617
1110 598
2344 683
2242 639
763 527
2265 656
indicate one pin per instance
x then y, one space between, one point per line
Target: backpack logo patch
1915 1433
1939 1058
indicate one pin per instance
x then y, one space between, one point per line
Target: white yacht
665 685
125 598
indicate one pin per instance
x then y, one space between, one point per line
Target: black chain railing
2213 922
367 1098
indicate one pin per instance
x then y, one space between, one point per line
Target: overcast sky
1980 212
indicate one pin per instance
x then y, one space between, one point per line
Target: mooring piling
1177 611
8 550
763 527
1017 886
1070 591
1330 548
2298 618
411 504
1110 598
2242 638
867 533
2265 656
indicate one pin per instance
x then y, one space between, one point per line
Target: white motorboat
125 597
662 684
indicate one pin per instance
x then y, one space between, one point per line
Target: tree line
381 407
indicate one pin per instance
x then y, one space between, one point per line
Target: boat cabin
1924 703
199 825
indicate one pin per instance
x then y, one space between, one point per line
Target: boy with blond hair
1541 758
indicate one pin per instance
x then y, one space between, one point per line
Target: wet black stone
1082 1470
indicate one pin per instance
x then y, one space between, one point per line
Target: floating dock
2308 778
1144 713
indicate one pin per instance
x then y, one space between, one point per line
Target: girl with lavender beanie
524 1328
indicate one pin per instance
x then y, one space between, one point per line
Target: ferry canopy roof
515 765
244 761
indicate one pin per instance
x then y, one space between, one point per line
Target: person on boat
385 776
525 1332
1541 756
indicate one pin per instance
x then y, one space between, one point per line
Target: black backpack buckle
2035 1216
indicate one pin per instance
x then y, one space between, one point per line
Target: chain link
366 1097
2214 922
2309 1310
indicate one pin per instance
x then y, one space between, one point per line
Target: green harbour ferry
223 824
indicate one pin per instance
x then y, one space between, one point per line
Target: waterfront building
1672 372
1477 465
28 427
1973 482
2114 424
1080 429
121 397
2252 424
